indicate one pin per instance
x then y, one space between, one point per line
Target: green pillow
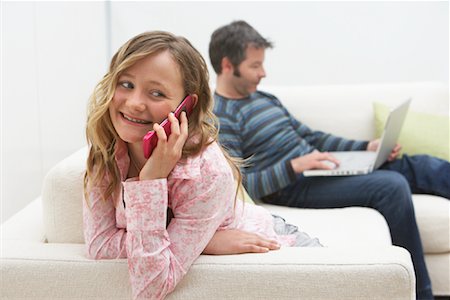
246 197
421 133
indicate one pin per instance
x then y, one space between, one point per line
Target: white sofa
347 110
43 256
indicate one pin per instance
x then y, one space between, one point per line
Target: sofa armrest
53 271
303 273
26 224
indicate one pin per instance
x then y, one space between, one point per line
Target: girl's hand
235 241
168 150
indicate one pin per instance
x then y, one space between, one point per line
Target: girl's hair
100 133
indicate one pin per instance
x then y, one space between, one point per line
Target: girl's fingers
269 245
183 131
264 243
174 125
184 123
160 133
178 134
254 249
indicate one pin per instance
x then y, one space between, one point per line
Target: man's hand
235 241
314 160
373 146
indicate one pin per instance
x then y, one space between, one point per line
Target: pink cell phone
150 140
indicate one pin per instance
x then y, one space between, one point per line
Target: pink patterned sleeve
158 258
104 240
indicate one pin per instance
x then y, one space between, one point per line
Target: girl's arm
102 237
158 258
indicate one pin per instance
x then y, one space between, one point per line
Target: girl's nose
136 102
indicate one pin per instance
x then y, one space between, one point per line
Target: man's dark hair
231 41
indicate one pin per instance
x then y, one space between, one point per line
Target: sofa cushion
338 227
433 219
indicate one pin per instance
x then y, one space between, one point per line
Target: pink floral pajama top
201 193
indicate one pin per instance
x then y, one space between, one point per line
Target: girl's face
145 94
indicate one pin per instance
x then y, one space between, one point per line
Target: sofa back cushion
62 197
347 110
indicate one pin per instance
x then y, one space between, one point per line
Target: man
255 126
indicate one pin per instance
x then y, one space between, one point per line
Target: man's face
249 73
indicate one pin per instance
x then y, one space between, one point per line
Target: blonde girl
161 213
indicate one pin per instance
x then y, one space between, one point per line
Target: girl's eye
156 94
126 84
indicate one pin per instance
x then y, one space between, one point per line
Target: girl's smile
135 121
145 94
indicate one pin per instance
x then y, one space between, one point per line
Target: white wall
315 42
53 54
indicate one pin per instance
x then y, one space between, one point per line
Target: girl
161 213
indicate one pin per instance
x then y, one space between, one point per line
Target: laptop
364 162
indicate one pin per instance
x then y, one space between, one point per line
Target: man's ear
227 66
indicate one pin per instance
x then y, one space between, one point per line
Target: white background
53 54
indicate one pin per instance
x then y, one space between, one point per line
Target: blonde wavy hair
102 170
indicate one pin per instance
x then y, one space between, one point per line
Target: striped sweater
260 130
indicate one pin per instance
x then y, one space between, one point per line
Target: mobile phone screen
150 140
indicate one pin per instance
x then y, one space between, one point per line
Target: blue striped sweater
261 130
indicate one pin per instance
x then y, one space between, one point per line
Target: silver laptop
364 162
